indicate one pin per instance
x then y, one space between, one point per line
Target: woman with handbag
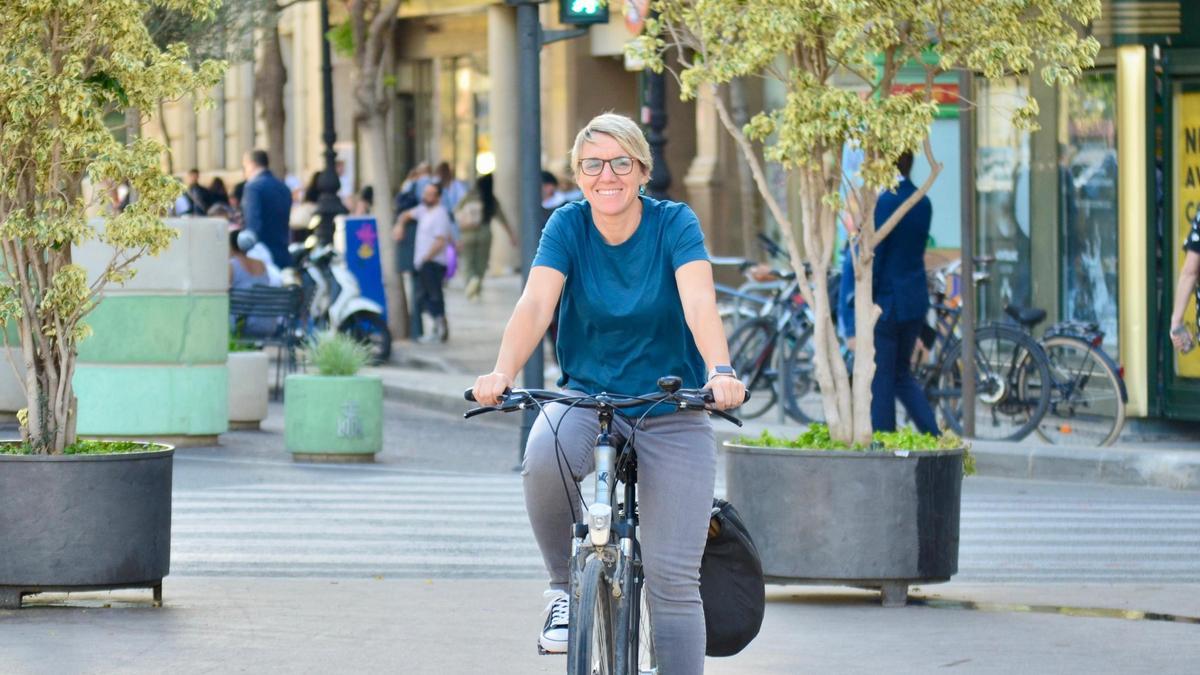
475 214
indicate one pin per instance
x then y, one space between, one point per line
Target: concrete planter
154 367
249 388
86 522
333 419
877 520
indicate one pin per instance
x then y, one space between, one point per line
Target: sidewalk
435 375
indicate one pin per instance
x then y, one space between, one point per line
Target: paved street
423 563
435 509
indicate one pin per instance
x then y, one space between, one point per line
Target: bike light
599 523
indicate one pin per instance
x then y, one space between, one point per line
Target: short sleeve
553 250
689 240
1192 242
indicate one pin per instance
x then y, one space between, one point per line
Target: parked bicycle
1087 392
610 631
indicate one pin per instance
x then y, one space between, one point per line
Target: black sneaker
553 639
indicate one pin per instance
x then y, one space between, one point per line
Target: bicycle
609 627
1087 391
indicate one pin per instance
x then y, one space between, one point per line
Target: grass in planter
336 353
817 437
84 448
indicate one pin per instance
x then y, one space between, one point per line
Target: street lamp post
329 204
654 117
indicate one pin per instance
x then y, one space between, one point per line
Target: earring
642 189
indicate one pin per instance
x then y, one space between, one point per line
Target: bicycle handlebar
684 399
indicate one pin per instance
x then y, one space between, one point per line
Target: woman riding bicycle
637 302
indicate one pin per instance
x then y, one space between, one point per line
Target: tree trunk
166 134
866 313
269 81
747 194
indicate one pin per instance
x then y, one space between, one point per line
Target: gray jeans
676 471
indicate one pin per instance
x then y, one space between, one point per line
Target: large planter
154 367
84 522
249 388
872 519
333 419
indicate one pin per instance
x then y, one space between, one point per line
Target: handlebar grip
469 394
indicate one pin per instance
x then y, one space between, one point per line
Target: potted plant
882 516
837 68
249 384
88 514
335 415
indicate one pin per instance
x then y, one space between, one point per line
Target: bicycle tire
752 352
1084 378
801 394
590 643
1009 368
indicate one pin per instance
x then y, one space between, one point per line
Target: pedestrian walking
266 206
637 303
1181 335
476 213
408 197
900 290
430 248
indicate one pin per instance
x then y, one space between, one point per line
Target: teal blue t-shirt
621 323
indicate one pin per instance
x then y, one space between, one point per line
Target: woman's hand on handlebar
489 388
728 392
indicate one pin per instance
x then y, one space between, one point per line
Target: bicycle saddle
1026 316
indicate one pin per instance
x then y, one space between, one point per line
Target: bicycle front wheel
752 350
590 636
1087 396
1011 378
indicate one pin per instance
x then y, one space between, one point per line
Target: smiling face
608 193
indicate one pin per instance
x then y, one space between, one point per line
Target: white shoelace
559 608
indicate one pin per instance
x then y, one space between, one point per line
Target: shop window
1002 197
1088 201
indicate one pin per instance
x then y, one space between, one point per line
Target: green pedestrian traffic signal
582 12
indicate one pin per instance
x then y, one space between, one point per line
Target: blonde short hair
623 130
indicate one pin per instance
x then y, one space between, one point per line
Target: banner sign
362 257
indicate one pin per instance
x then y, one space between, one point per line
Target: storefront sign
1187 179
636 12
945 94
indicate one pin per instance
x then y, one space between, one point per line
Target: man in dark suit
266 206
900 291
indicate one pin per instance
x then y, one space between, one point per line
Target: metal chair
278 312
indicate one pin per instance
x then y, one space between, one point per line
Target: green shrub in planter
335 415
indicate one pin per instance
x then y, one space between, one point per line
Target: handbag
732 589
451 260
469 213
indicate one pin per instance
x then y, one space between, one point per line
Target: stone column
505 125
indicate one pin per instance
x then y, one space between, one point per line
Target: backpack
731 583
469 213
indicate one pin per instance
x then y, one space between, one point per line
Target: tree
226 34
372 26
809 47
64 65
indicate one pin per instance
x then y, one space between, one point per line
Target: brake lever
479 411
725 416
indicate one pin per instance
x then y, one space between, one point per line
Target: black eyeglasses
592 166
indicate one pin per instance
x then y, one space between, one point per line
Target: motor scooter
333 298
